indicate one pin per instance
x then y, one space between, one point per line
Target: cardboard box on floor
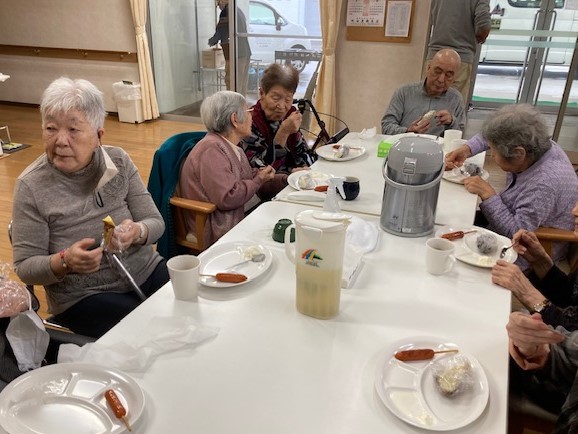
213 58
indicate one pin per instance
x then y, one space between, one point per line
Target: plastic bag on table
453 375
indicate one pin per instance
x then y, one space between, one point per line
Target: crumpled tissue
367 133
361 238
136 353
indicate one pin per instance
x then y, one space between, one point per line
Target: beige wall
369 72
85 24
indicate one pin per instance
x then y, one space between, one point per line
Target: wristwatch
539 307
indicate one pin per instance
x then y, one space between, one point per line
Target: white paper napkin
367 133
136 353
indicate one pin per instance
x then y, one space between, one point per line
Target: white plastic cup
455 144
184 274
449 136
439 257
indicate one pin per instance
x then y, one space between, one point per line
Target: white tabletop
274 370
456 206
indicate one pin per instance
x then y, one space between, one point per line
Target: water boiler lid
428 153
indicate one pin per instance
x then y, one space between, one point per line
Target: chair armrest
193 205
553 234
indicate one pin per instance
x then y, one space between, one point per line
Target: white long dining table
368 169
273 370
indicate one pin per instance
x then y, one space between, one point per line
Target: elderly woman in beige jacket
217 170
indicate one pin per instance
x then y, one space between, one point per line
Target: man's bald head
442 71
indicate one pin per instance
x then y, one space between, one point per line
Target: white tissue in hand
426 118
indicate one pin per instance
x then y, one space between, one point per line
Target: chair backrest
550 236
163 181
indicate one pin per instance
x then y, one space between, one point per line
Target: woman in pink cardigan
217 170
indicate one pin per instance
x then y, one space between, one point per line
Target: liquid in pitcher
318 291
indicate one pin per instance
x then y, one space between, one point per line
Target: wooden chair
163 186
549 236
201 210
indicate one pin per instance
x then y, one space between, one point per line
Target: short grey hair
517 125
217 109
65 94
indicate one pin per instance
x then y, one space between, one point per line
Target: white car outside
264 19
520 15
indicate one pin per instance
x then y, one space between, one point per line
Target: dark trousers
95 315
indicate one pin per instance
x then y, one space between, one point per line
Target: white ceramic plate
319 178
328 153
408 389
218 258
68 398
467 251
457 177
396 137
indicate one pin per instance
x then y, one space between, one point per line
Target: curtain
325 100
150 107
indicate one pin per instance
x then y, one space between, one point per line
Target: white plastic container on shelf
128 101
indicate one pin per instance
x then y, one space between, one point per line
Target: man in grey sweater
433 95
460 25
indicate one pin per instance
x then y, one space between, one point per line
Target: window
259 14
533 3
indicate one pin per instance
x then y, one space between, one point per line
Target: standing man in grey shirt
411 102
460 25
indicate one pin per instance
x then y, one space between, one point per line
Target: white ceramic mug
439 257
449 136
184 273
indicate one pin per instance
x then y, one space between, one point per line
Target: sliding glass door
187 68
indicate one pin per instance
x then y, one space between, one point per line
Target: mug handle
451 262
289 250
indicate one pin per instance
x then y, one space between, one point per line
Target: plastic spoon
259 257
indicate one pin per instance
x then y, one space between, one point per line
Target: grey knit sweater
455 23
53 210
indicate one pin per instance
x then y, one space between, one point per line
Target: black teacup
350 188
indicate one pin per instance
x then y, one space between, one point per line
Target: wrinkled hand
82 260
124 235
530 338
443 117
511 277
419 129
292 123
266 173
482 35
457 157
529 247
476 185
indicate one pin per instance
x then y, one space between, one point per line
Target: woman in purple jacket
541 186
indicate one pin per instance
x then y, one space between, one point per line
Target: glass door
528 53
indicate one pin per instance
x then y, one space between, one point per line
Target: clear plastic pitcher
318 259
